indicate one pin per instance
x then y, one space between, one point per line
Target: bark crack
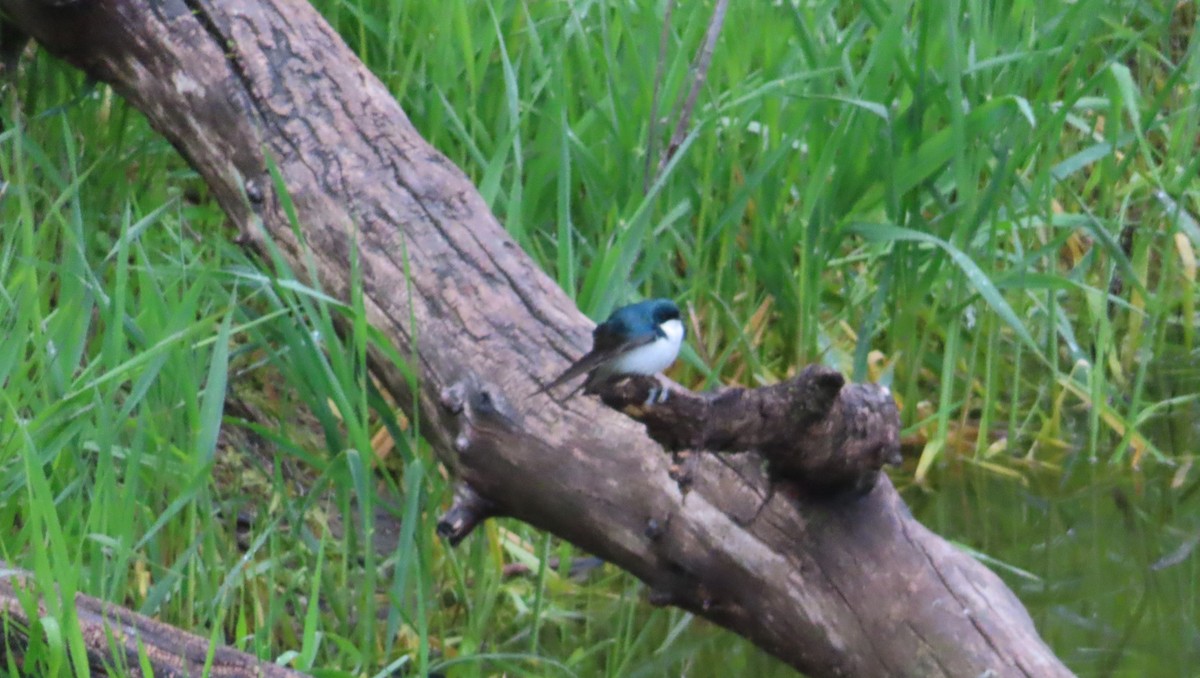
209 23
862 626
932 650
965 606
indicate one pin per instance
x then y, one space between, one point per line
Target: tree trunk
834 585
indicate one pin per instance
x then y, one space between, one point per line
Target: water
1106 558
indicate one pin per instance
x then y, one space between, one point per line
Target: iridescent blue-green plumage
641 338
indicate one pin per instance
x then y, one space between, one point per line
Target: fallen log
848 584
119 641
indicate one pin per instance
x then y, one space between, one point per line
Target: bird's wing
608 341
585 364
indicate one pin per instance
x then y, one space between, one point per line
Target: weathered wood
833 587
120 641
811 429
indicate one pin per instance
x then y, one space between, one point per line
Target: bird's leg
658 395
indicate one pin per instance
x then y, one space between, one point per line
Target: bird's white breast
654 357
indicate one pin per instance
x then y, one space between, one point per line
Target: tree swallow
641 338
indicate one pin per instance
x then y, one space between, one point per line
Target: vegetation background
988 205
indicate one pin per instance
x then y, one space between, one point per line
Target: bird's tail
587 364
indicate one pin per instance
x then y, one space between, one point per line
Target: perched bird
641 338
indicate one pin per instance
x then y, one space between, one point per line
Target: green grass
990 207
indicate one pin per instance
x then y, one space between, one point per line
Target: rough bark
117 640
811 430
842 586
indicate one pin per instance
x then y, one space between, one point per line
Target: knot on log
475 401
813 429
474 406
468 510
481 415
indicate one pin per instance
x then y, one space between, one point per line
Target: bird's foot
658 395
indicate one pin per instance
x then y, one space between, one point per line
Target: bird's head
664 310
